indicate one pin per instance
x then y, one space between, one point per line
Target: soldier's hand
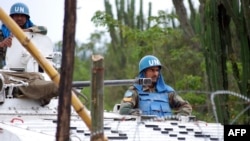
7 42
135 112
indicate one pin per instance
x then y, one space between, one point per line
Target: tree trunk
64 108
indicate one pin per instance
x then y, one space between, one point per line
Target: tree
224 35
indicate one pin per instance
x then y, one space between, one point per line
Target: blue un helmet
148 61
19 8
152 61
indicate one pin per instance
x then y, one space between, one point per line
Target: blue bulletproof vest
154 104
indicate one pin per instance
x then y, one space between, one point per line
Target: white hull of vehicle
26 120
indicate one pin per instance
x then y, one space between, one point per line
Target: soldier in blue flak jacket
157 99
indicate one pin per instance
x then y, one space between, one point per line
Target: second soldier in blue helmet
157 99
19 12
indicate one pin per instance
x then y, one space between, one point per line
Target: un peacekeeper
19 12
158 99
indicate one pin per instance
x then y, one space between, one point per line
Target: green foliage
87 93
103 19
234 109
189 82
81 70
200 105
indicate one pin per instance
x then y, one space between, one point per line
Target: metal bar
123 82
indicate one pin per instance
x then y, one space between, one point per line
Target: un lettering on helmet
154 62
19 8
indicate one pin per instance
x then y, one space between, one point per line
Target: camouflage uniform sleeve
179 106
39 29
129 101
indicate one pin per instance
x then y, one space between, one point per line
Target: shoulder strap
1 35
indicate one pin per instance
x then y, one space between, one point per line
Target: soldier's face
153 73
20 19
